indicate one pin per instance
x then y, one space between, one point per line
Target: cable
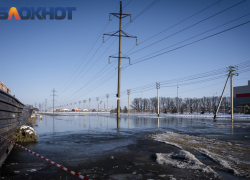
174 25
195 36
239 65
191 42
188 27
144 10
97 38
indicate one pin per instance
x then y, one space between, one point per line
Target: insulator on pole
109 17
103 38
109 59
136 41
130 18
129 61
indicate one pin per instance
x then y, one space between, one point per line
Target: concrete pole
79 107
84 105
158 100
89 103
232 108
158 86
107 103
221 98
177 99
53 100
128 100
119 67
97 103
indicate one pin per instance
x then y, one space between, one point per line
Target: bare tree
154 103
208 104
136 104
168 100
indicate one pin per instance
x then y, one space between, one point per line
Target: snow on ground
230 156
190 161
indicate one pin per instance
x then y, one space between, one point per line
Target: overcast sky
70 56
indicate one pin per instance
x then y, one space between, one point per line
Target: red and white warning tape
58 165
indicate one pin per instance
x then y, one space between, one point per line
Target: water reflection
71 123
232 128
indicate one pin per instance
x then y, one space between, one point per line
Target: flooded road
92 145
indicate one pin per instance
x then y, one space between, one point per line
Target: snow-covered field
230 156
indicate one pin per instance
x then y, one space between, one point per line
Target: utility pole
177 99
128 91
45 104
89 103
158 87
121 34
84 101
97 102
101 105
232 71
79 106
107 96
53 99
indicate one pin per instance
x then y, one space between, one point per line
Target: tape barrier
38 155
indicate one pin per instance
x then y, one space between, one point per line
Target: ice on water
230 156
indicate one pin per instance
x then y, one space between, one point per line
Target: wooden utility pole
121 34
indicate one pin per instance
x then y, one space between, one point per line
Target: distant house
4 88
75 109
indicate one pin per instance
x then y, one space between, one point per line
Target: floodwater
78 141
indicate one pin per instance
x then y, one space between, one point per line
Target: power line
188 27
144 10
191 43
197 35
91 47
244 64
174 25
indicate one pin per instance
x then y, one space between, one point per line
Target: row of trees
173 105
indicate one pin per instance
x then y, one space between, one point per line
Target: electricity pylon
121 34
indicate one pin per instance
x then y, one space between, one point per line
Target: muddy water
82 141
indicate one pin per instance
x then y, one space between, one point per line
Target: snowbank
190 161
230 156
